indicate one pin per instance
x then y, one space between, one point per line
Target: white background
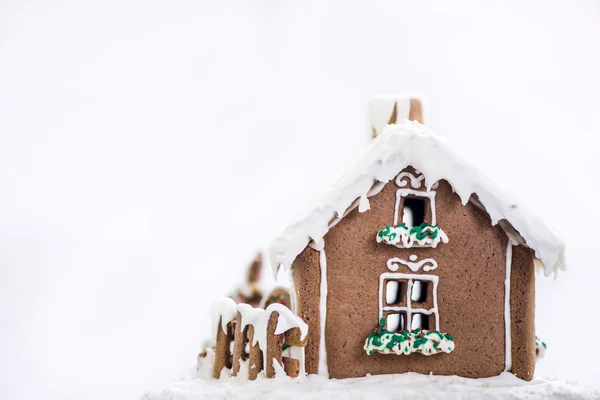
147 150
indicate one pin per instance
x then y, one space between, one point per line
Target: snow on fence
250 340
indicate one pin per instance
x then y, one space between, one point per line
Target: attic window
414 210
414 221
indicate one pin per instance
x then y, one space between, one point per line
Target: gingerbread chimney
389 109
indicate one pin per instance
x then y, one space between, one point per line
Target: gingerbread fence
250 340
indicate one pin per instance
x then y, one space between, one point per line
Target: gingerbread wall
471 271
522 309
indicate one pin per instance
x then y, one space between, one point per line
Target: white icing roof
412 144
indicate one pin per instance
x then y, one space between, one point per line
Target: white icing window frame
408 308
400 193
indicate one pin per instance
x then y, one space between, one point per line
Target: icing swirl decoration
415 181
428 264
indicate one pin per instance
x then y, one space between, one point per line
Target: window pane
394 322
407 216
419 321
414 211
418 292
393 292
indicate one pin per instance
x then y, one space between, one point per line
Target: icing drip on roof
412 144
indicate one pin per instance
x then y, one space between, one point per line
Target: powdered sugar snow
403 386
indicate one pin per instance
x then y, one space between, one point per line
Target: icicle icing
223 309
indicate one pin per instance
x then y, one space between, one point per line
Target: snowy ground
404 386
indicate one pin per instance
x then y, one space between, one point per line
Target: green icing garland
422 234
407 342
272 300
540 348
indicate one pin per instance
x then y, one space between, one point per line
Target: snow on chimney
386 110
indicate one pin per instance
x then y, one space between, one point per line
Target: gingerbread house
414 261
